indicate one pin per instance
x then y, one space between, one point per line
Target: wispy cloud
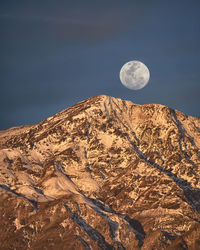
36 18
73 23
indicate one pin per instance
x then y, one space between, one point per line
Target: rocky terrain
103 174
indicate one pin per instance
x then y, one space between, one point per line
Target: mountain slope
103 174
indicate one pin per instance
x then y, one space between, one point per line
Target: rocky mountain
103 174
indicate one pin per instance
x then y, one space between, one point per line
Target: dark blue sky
56 53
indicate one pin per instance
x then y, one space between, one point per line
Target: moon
134 75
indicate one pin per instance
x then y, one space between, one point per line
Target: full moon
134 75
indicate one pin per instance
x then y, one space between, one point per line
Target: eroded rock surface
103 174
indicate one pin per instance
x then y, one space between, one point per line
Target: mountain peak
105 173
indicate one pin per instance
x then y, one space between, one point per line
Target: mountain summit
103 174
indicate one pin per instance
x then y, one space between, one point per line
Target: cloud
69 22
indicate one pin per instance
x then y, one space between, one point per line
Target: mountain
103 174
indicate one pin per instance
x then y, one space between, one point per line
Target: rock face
103 174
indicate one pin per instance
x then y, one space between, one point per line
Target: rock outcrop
103 174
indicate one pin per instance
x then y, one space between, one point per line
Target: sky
55 53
